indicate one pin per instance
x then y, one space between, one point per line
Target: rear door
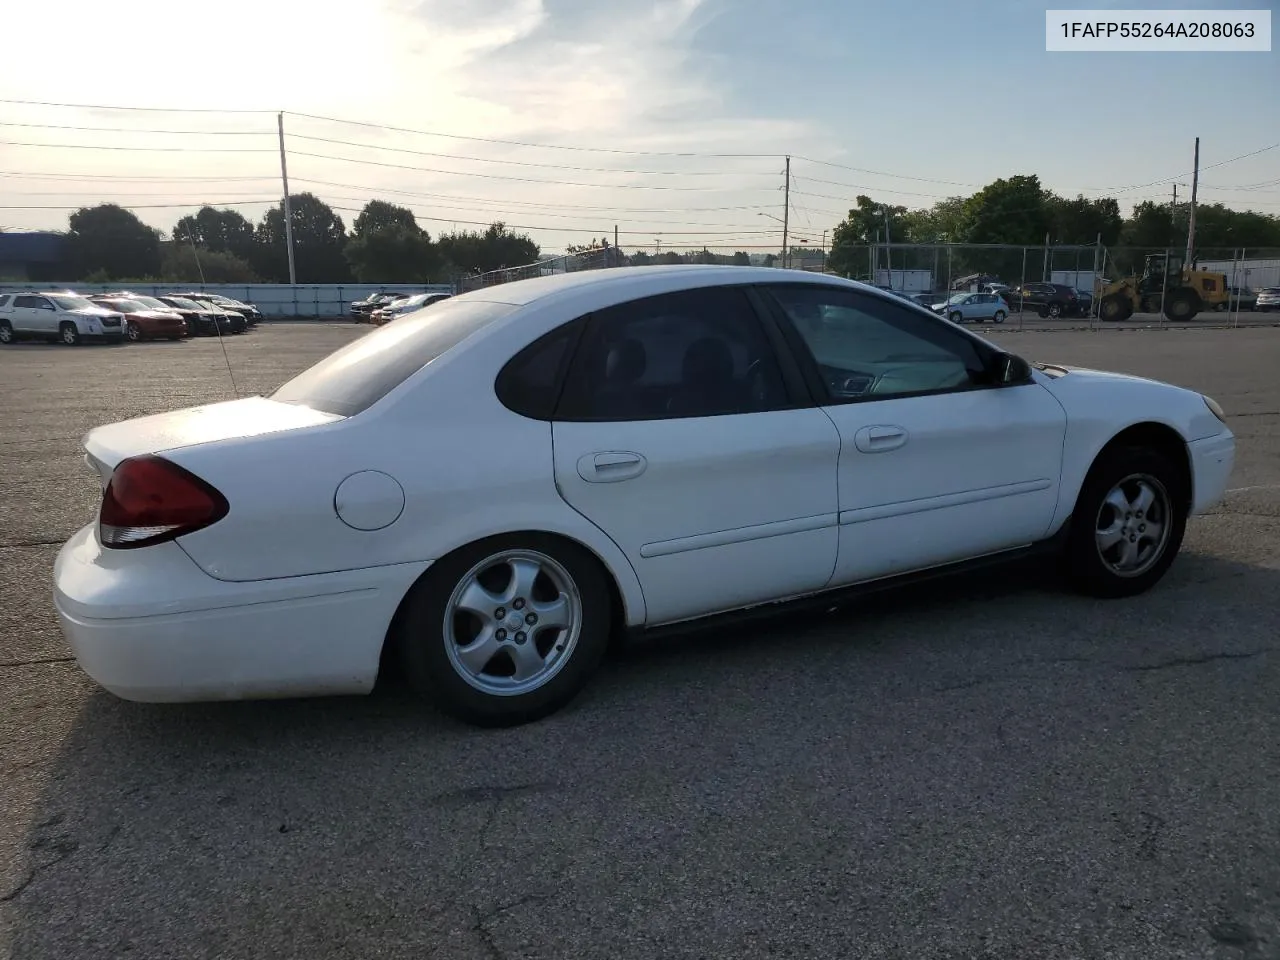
686 435
937 463
33 314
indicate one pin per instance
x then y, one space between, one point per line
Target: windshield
186 304
73 303
124 306
363 372
151 303
959 298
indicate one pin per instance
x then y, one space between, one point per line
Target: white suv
57 316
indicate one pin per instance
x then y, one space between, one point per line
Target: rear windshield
361 373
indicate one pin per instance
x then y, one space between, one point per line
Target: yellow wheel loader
1166 284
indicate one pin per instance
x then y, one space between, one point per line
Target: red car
142 321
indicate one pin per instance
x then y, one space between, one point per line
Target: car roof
645 280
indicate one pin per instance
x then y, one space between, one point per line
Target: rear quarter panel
469 468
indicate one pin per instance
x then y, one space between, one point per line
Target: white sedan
483 491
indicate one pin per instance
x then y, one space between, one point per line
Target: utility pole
786 212
288 211
1191 222
617 254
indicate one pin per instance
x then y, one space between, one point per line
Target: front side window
868 349
696 353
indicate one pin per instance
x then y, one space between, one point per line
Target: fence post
1022 282
1163 286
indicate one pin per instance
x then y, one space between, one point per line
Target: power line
496 176
207 133
882 173
1154 183
32 175
860 186
539 146
99 106
526 163
95 146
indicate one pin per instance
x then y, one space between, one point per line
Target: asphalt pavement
993 768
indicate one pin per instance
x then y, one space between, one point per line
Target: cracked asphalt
990 768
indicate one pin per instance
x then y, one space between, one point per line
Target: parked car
1240 298
1084 302
142 322
236 322
979 307
1268 299
201 318
1046 299
374 315
405 305
673 446
929 300
361 309
250 313
64 316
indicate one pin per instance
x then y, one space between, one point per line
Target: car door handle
878 439
611 466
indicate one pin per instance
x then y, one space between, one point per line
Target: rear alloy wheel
999 317
68 333
1055 310
132 331
1128 523
6 332
507 630
957 317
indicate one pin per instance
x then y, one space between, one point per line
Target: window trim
808 363
799 395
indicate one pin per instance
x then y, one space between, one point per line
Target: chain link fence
944 270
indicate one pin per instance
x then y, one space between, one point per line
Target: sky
668 119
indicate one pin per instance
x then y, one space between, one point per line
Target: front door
937 463
683 436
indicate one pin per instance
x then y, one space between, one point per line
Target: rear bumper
1212 460
150 625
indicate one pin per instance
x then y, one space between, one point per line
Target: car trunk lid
105 447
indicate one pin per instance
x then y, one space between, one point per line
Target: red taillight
150 500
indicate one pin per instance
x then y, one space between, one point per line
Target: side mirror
1011 369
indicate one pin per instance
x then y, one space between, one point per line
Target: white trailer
908 281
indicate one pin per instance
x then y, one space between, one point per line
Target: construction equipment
1167 285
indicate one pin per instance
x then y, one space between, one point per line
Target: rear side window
29 301
357 376
4 299
530 382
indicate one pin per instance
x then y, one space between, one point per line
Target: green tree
220 231
741 258
495 249
181 264
388 246
319 237
639 259
112 240
1081 220
1015 210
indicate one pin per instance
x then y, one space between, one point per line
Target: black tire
420 636
132 331
1113 308
6 332
999 316
956 317
1054 310
1087 568
68 334
1181 306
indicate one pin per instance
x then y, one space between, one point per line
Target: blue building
35 256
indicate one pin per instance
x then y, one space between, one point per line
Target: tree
219 231
380 215
741 258
640 259
1081 220
388 246
319 237
1014 210
181 264
496 248
111 239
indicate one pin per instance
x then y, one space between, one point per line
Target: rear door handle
611 466
878 439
